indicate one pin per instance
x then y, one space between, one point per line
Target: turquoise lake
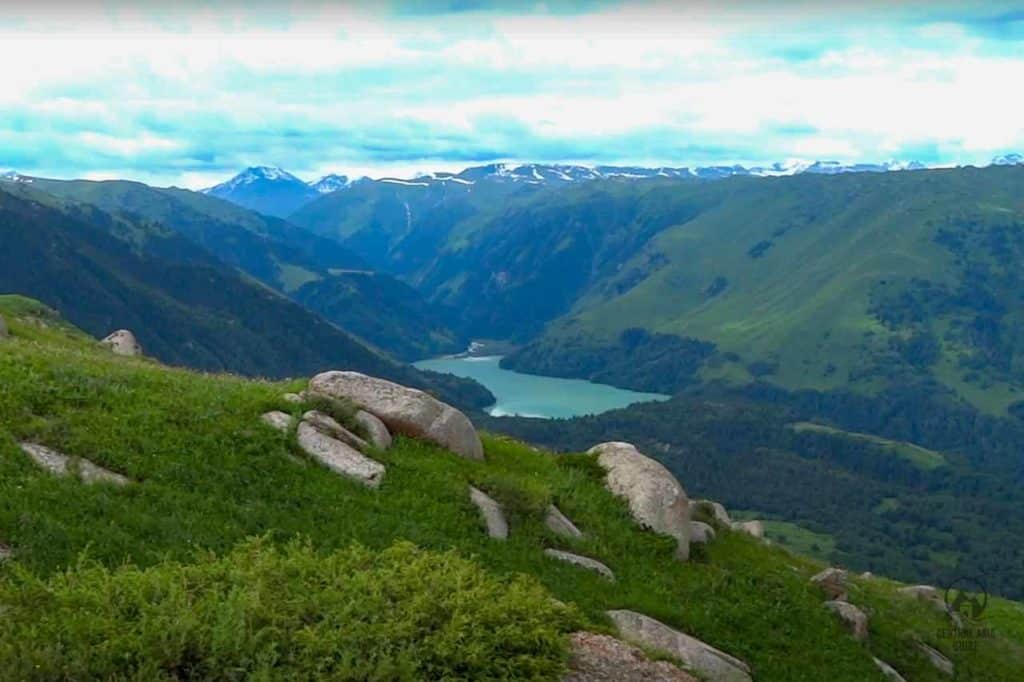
529 395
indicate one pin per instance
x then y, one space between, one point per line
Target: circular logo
967 597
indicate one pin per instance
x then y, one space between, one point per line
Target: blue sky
181 94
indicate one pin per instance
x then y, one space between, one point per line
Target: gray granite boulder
600 658
375 429
327 425
852 618
753 528
656 499
403 410
710 663
60 464
833 582
559 523
339 457
888 671
491 512
581 561
701 533
123 342
282 421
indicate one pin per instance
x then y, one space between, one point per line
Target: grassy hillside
104 272
208 474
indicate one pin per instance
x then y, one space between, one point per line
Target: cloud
183 94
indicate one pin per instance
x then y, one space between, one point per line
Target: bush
271 613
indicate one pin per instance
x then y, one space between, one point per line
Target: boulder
326 424
123 342
293 398
855 620
754 528
60 464
708 662
600 658
581 561
701 533
713 509
282 421
403 410
3 328
931 595
656 499
375 429
339 457
936 658
888 671
833 582
490 510
559 523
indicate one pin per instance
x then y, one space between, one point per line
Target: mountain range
277 192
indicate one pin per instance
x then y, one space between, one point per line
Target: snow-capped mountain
266 189
331 183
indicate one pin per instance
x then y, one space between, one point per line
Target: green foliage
263 612
207 474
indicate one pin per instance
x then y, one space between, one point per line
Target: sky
179 93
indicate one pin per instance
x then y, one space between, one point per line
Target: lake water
529 395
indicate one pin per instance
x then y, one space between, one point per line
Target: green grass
800 540
208 475
921 457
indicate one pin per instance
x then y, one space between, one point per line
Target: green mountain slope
864 279
207 474
315 271
105 272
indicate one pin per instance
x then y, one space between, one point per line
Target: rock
754 528
832 582
600 658
293 398
282 421
375 429
937 659
855 620
708 662
62 465
123 342
404 410
713 509
339 457
888 671
559 523
655 498
3 328
581 561
701 533
930 595
326 424
490 510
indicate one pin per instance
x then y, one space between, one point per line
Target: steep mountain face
286 258
264 189
104 271
386 311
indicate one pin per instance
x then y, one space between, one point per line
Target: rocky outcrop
403 410
339 457
600 658
123 342
708 662
656 499
375 429
937 659
581 561
833 582
888 671
491 512
282 421
852 618
326 424
754 528
559 523
712 509
60 464
931 596
701 533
